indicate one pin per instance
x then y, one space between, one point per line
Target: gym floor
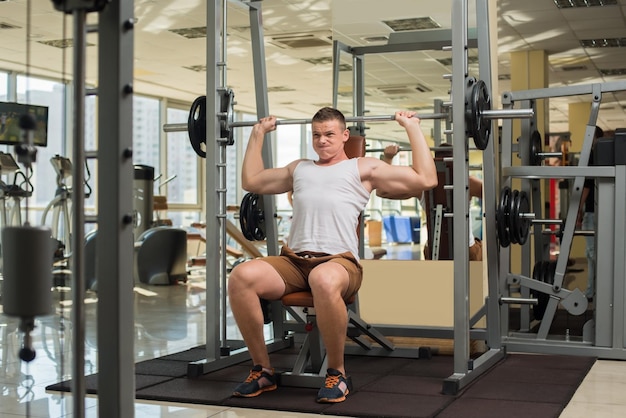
171 319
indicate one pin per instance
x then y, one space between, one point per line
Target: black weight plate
196 125
523 224
259 218
252 217
244 210
501 217
535 148
479 127
513 216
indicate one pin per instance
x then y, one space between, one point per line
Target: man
475 190
586 220
328 197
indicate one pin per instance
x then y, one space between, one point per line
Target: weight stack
604 153
28 254
620 146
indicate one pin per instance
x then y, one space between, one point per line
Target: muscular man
329 194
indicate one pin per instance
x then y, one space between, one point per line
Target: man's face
328 138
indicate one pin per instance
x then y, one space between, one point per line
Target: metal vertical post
262 110
78 218
213 221
619 269
461 188
490 185
607 259
465 369
115 249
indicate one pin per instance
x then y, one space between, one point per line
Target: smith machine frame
465 370
604 334
460 37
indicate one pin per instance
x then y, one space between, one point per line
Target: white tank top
327 202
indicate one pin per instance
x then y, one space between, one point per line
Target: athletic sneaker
335 388
258 381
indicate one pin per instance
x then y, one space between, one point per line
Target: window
3 86
182 162
146 132
43 178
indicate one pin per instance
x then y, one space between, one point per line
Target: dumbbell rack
604 331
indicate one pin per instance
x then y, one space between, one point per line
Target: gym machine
519 215
472 116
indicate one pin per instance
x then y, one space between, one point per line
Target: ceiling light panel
613 72
415 23
568 4
191 33
603 43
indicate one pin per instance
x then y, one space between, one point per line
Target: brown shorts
294 268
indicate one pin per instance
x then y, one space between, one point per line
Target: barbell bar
180 127
487 114
477 110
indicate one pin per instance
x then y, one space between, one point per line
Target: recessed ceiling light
574 68
448 61
614 71
61 43
375 39
191 33
603 43
414 23
568 4
197 68
319 61
345 67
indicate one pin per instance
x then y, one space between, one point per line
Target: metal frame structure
218 354
605 334
115 252
461 38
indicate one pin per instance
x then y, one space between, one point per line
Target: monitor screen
9 123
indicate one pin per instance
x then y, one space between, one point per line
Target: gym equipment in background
161 256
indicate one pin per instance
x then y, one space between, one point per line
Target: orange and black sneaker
335 389
259 380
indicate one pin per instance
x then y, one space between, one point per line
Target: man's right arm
254 176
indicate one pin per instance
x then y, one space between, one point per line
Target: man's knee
241 276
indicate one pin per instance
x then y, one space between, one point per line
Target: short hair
330 113
599 132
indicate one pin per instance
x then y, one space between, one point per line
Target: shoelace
331 381
253 376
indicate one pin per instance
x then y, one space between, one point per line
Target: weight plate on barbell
252 217
477 126
196 125
536 147
502 216
523 224
513 216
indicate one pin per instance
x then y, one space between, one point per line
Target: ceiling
299 79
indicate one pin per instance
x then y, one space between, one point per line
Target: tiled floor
171 319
